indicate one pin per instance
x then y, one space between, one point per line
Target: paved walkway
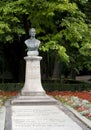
85 78
2 117
85 124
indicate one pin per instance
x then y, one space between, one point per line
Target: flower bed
80 101
5 96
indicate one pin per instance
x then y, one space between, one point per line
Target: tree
61 27
73 34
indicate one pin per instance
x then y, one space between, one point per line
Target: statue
32 43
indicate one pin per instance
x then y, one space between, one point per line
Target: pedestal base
33 100
25 93
32 84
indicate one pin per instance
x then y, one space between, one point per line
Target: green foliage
9 20
52 45
67 87
11 86
51 86
61 26
71 31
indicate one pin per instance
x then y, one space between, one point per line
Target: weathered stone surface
33 84
34 100
41 118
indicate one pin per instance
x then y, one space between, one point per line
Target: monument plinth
32 84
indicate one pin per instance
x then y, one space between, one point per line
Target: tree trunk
56 71
73 74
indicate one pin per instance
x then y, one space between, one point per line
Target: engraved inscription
33 72
40 117
36 71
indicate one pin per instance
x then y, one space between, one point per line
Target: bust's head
32 32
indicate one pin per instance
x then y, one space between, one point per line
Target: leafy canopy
60 24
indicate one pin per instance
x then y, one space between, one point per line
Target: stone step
32 100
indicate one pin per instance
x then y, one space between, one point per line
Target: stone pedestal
32 84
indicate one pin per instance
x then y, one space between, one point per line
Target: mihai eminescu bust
32 43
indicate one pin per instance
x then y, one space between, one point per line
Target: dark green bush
11 86
67 87
49 86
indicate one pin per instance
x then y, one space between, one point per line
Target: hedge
48 87
67 87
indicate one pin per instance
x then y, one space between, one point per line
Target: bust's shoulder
27 41
32 41
37 41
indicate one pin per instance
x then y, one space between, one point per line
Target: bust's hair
31 29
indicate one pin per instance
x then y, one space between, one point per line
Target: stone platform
40 112
42 117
